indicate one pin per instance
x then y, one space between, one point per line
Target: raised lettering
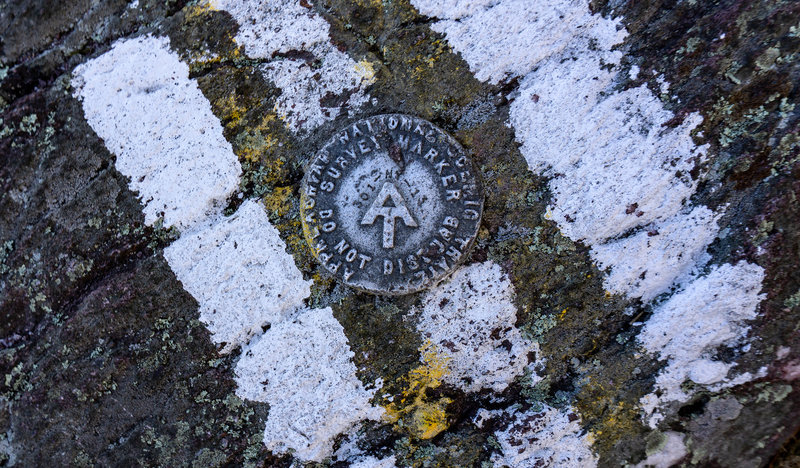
453 195
347 273
449 179
402 141
450 221
431 155
334 267
453 253
342 246
364 259
462 242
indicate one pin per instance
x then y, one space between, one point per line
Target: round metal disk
390 204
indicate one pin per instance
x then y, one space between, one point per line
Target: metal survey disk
390 204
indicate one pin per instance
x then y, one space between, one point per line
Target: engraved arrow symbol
378 208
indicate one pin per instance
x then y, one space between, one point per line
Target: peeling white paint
543 437
175 155
303 369
238 270
139 99
615 169
470 320
672 449
507 38
620 177
316 79
651 260
372 462
686 330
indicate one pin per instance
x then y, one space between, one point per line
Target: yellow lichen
366 71
229 110
200 9
254 142
423 419
279 202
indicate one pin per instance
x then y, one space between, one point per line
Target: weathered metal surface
391 204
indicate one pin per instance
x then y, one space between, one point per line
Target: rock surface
632 297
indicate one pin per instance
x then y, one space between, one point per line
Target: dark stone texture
106 363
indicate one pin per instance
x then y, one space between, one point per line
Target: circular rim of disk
391 204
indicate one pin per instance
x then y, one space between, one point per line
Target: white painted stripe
175 155
505 38
709 312
470 322
238 270
139 99
372 462
620 178
651 260
613 164
303 369
672 450
539 437
267 27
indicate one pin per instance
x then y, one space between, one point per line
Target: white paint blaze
470 320
619 177
615 168
672 449
303 369
534 438
686 330
139 99
649 261
506 38
317 80
238 270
